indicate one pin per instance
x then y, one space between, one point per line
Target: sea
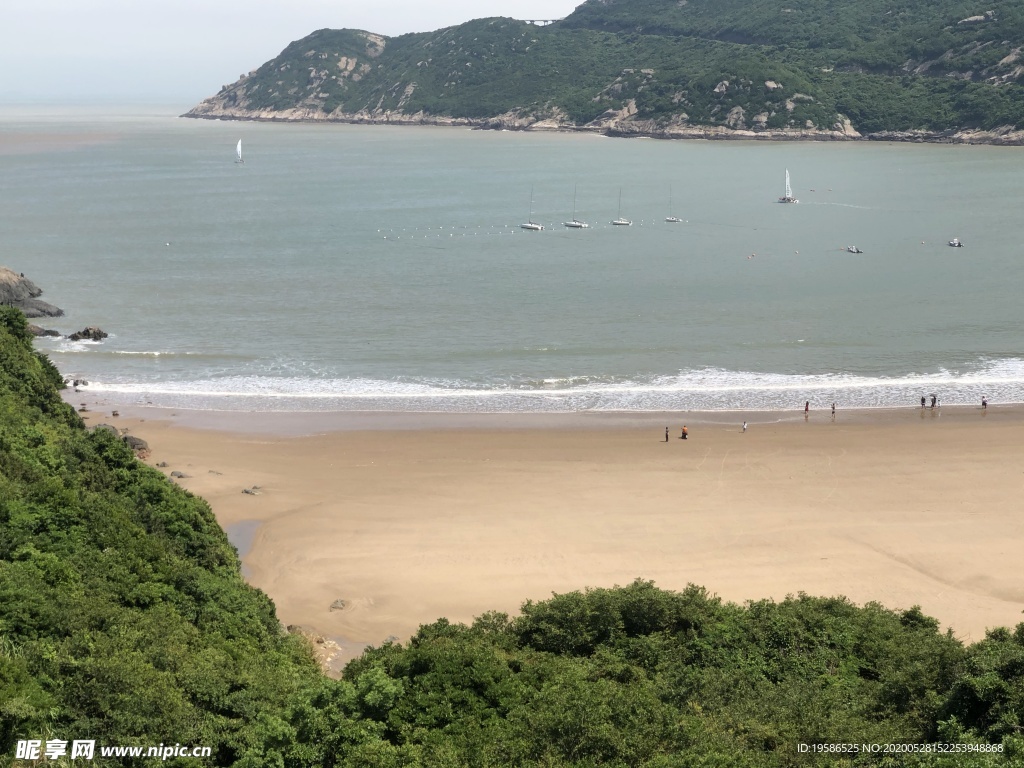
383 268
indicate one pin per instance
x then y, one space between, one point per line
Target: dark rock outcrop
35 330
37 308
137 444
91 333
16 290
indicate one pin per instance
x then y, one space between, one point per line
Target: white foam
704 389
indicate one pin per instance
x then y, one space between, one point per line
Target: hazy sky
170 51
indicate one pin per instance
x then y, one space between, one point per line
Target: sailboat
788 198
238 151
530 223
575 223
670 218
621 222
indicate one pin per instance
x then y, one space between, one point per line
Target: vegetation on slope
888 66
638 676
123 615
123 618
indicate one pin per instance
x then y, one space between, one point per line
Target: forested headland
124 619
946 70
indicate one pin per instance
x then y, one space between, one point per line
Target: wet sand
405 519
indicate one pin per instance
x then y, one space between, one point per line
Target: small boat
530 223
238 151
853 249
788 197
670 218
621 222
575 223
955 243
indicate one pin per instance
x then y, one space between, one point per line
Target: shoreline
298 423
1006 136
406 520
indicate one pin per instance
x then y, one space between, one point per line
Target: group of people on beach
683 434
807 409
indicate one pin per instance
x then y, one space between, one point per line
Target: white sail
788 198
789 189
238 151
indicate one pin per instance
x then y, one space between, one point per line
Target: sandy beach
406 519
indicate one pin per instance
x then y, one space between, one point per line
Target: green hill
782 68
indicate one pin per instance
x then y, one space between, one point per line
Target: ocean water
382 268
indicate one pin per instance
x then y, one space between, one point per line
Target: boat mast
530 225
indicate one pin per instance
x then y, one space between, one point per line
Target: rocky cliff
622 123
16 290
233 103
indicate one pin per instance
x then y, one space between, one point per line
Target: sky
181 51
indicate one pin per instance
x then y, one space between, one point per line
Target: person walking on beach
922 401
984 403
934 400
666 434
833 410
686 432
744 426
807 407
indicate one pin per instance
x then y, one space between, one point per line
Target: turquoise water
368 268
